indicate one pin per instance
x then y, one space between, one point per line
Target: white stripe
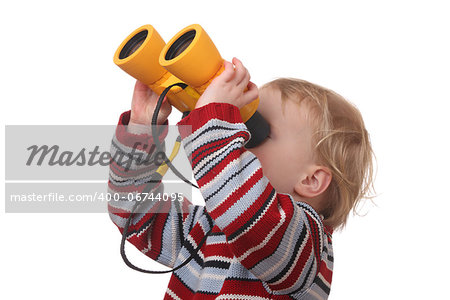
172 294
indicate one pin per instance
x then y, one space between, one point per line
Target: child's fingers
228 74
251 94
140 89
140 92
241 72
243 84
139 86
143 93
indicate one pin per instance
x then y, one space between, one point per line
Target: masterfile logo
65 168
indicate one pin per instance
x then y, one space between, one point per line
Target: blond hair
340 142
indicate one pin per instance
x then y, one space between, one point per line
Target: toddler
272 208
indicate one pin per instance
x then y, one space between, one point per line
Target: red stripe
241 287
259 231
221 250
268 249
179 289
326 273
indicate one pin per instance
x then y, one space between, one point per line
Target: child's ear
314 183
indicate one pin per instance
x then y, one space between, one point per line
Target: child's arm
160 227
278 240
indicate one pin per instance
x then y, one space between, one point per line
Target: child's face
286 155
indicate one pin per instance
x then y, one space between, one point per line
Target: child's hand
229 87
143 105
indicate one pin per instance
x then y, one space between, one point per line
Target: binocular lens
180 45
133 44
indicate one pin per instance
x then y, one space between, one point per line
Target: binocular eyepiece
189 57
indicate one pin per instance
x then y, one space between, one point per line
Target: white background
390 58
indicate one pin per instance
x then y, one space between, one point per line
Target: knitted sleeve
278 240
159 228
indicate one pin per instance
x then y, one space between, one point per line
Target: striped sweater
263 245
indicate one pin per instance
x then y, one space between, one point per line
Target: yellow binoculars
190 57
